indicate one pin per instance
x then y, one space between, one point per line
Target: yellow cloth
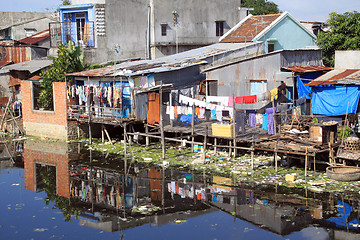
274 94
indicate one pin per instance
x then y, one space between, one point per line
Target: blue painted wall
287 34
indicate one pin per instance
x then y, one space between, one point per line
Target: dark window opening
36 91
163 29
271 47
219 28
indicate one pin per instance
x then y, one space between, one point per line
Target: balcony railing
82 34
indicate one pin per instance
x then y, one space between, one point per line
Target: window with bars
219 28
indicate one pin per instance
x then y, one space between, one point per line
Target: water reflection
112 194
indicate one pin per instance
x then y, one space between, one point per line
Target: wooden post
108 136
125 152
306 161
252 153
314 162
78 130
274 117
215 143
230 149
102 133
90 133
205 143
161 123
193 127
275 155
234 132
147 139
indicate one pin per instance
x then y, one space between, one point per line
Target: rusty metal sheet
153 108
305 69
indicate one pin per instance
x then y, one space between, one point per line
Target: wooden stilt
205 144
275 156
306 161
234 128
125 150
78 130
252 154
215 143
230 149
102 133
314 162
161 123
274 117
108 136
147 139
192 127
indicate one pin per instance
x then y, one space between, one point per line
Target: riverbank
237 169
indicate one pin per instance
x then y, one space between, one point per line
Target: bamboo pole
147 139
102 133
193 126
161 123
274 118
205 143
108 136
234 128
89 106
306 161
125 150
275 156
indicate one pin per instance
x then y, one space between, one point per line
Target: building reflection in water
115 194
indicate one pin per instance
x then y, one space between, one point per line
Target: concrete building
19 25
111 30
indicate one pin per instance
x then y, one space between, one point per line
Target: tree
344 34
66 2
261 7
70 59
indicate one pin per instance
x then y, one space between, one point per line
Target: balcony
81 33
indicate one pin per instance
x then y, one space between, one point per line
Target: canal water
57 191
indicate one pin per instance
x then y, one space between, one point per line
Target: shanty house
337 92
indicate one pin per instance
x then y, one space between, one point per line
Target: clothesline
228 101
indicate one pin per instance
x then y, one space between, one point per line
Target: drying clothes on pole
223 101
270 127
274 94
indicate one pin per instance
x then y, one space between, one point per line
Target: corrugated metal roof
30 66
163 64
36 37
250 28
338 76
305 69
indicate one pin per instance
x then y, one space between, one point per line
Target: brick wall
51 124
51 155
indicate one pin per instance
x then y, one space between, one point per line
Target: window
163 29
219 28
36 90
271 47
81 30
258 86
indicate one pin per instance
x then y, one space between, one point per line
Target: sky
302 10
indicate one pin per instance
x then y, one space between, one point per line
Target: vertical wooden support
205 143
314 162
215 144
230 148
147 139
306 161
90 133
102 133
234 132
252 154
89 104
125 150
161 123
78 130
275 155
193 127
274 117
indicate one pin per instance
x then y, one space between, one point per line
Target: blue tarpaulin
302 89
334 100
